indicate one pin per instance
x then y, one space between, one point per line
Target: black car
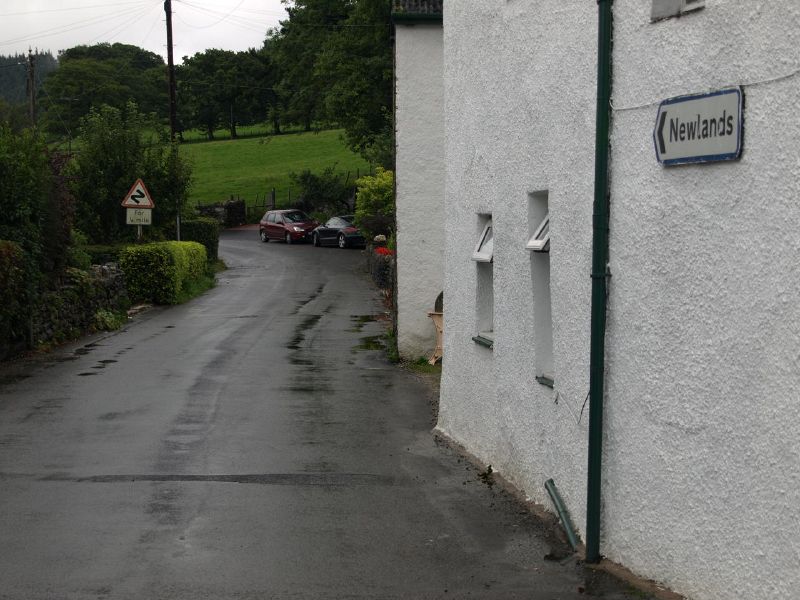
338 231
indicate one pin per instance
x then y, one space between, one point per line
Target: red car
289 225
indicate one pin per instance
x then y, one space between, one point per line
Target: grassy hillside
250 168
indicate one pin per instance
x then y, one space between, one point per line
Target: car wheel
264 237
315 238
342 241
288 238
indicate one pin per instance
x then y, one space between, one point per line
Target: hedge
14 309
204 230
159 271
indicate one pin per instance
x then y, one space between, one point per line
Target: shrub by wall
13 294
204 230
158 272
375 203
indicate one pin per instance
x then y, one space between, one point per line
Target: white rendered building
701 440
419 123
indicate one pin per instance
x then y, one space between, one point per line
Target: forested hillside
14 74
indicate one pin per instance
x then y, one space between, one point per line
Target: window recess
484 280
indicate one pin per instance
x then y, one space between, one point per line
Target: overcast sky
196 24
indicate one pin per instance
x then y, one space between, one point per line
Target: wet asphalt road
252 443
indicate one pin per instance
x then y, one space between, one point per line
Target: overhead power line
73 8
82 24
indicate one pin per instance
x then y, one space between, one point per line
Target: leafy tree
356 66
14 116
299 46
258 76
35 221
14 75
328 193
117 147
111 74
335 59
26 181
208 88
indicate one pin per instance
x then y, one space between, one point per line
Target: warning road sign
138 197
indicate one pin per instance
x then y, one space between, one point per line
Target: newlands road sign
699 128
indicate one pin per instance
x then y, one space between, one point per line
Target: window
484 283
484 249
271 218
539 242
664 9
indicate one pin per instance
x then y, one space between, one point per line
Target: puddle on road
371 342
310 299
359 322
300 331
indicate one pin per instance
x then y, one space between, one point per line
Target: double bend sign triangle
138 197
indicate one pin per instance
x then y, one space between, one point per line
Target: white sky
196 24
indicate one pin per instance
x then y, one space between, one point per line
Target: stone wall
72 310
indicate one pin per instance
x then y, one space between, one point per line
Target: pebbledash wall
519 135
701 464
419 122
702 461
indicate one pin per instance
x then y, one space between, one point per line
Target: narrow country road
251 444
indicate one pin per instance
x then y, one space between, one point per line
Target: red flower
384 251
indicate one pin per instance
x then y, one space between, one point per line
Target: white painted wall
702 465
419 121
702 443
519 118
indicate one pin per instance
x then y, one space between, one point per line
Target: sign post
139 205
700 128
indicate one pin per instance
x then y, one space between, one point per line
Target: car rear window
296 216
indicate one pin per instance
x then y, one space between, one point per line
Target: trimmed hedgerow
159 272
204 230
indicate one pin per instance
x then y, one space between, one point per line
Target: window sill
546 381
482 340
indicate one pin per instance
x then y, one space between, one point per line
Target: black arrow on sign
661 144
139 195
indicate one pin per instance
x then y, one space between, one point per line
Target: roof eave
406 18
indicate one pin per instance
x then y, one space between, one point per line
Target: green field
249 168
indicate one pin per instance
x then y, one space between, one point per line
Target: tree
26 182
35 208
210 87
117 147
335 58
328 193
298 47
14 75
111 74
356 66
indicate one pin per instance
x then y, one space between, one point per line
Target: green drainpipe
599 282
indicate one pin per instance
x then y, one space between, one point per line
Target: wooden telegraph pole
172 100
31 88
170 71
